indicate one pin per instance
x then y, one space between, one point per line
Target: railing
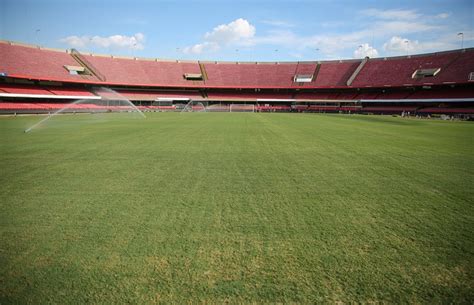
316 71
203 71
357 71
86 64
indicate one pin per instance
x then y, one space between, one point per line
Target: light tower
462 39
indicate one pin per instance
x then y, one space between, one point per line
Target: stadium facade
34 79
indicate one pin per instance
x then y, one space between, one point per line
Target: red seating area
69 91
274 75
25 106
246 96
23 89
20 61
328 108
134 95
444 93
250 75
367 96
455 67
57 106
272 108
335 74
145 72
37 90
161 108
458 70
149 95
45 106
322 108
347 96
390 109
317 96
37 63
305 68
395 95
19 106
446 110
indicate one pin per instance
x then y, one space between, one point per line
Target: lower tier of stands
44 90
74 107
30 107
150 94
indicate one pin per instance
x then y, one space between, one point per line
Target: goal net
242 108
218 108
162 106
194 106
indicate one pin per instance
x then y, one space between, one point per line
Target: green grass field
229 207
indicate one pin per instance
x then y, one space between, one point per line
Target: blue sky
241 30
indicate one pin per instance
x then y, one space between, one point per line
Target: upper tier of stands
49 92
30 62
335 74
144 72
45 64
250 75
455 67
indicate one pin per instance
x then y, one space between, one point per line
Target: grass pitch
215 207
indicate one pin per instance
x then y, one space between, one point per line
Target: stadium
439 83
133 179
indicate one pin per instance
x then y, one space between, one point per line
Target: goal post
195 106
242 108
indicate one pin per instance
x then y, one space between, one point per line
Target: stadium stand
34 78
250 75
37 63
144 72
143 95
446 110
69 91
246 96
390 109
455 67
22 89
33 62
335 74
38 90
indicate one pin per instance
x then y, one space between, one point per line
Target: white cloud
201 47
443 15
397 22
278 37
365 50
395 14
278 23
378 26
398 44
400 15
75 41
296 55
237 32
402 27
135 42
331 45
